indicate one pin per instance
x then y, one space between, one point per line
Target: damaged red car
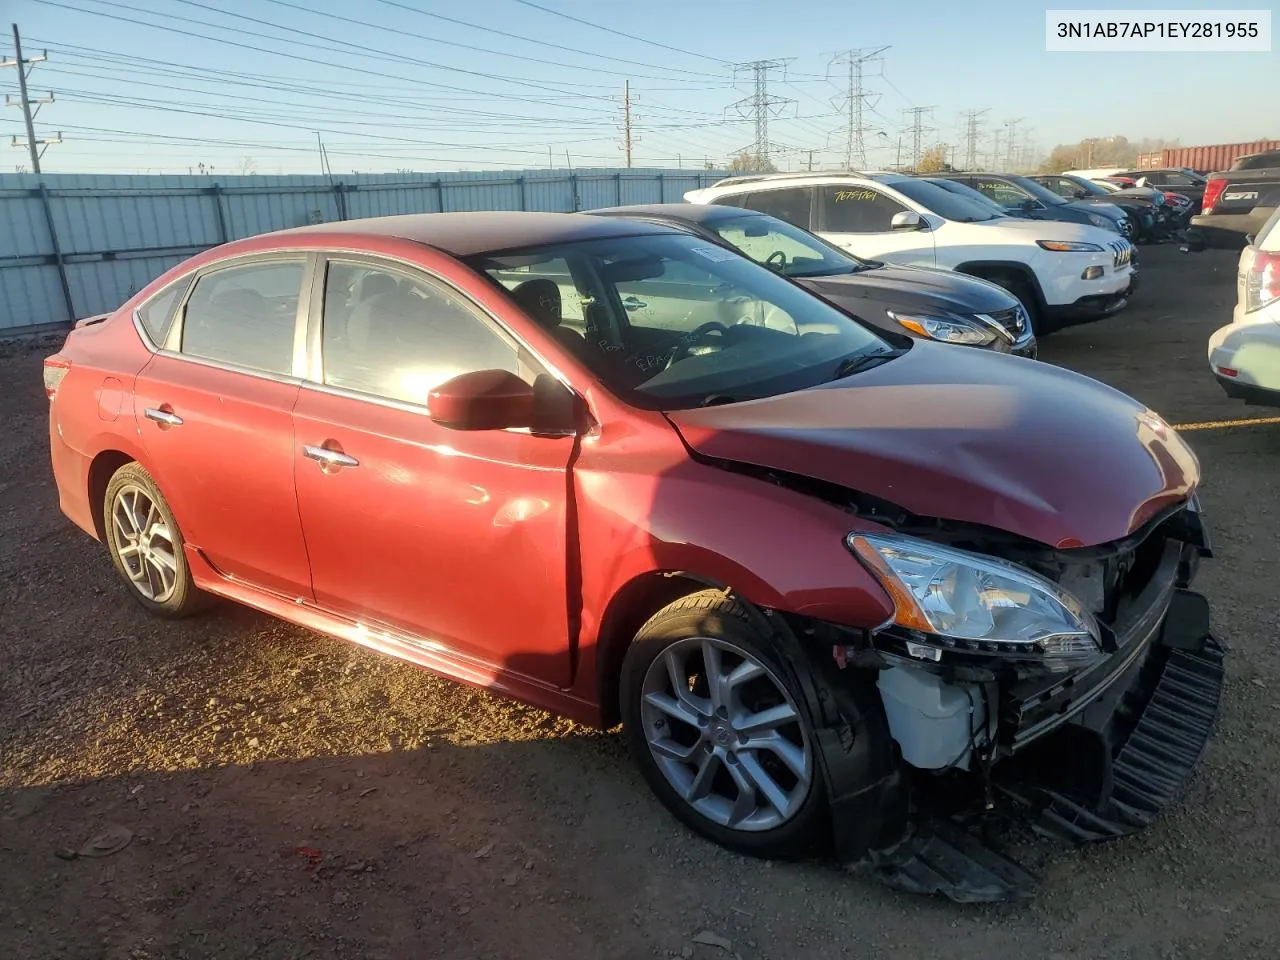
846 590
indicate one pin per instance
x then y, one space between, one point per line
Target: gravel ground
295 796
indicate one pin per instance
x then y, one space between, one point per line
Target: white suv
1245 354
1064 273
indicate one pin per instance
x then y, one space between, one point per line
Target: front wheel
146 545
718 731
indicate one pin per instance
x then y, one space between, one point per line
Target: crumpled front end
1090 738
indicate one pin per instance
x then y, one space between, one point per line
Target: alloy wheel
726 734
144 543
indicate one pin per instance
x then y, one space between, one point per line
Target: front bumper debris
1129 744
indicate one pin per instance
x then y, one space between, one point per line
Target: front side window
784 247
790 204
856 209
157 313
398 336
683 321
245 315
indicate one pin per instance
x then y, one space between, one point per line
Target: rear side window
158 312
856 209
245 316
399 336
791 205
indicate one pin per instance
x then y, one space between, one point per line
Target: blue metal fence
72 245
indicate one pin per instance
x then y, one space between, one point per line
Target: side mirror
906 220
482 400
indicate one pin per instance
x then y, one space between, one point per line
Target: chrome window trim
229 367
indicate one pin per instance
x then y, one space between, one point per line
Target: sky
245 86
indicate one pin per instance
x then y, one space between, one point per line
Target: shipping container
1150 161
1213 158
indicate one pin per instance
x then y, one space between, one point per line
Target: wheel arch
101 469
986 269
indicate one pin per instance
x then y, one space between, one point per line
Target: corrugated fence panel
115 233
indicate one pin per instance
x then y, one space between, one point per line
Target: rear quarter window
157 313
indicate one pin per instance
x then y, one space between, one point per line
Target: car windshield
670 321
791 251
1039 191
970 194
1093 188
948 205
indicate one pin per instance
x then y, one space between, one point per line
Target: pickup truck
1237 203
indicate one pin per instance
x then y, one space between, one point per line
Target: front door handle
329 458
163 417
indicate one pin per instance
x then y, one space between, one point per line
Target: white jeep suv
1064 273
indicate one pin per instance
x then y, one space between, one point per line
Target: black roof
467 234
688 212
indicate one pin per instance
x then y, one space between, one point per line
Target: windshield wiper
715 399
851 365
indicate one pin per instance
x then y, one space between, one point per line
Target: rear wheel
146 545
718 731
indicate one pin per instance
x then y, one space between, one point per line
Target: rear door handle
163 416
329 458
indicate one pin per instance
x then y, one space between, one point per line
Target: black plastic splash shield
942 857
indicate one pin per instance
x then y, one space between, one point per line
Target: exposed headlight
1069 246
1106 223
945 329
971 603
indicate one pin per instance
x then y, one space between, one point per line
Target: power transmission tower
855 149
628 138
973 119
36 147
1012 140
918 130
760 106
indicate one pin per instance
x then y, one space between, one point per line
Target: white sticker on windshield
715 254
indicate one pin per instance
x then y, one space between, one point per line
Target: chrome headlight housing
944 328
950 599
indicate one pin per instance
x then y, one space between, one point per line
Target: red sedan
610 469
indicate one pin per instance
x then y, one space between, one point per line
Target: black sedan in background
919 301
1022 196
1148 216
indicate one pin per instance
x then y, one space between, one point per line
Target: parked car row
1063 273
648 466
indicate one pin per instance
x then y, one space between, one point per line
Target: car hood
915 288
967 435
1048 229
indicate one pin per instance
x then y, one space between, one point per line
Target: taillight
55 369
1212 193
1262 282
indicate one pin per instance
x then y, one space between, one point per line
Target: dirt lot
449 823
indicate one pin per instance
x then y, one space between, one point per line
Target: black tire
710 614
141 575
1026 293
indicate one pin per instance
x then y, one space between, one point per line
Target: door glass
1005 194
157 313
856 209
791 205
399 336
245 315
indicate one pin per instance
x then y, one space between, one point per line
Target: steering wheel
779 257
690 339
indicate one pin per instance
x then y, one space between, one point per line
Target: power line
619 33
541 43
23 66
760 106
855 152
